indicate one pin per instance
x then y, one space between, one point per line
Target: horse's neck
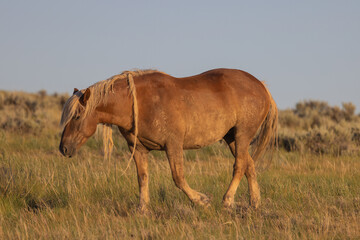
116 109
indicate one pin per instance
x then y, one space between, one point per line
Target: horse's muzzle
67 151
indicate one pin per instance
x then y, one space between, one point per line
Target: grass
43 195
310 191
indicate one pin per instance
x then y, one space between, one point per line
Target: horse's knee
143 178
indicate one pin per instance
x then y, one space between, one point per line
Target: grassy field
305 194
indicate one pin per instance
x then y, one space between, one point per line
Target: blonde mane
99 91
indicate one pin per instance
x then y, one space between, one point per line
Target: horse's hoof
203 200
228 204
254 205
255 202
143 210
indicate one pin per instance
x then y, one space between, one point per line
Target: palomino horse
155 111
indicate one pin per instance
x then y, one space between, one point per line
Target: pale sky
302 49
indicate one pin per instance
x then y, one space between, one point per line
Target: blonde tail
268 135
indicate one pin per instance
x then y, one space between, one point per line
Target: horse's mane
98 91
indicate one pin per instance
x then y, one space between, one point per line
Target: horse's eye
77 117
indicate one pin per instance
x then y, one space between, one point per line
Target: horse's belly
207 131
196 142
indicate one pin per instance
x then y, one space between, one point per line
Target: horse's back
229 92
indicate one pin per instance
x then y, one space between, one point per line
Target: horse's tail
268 134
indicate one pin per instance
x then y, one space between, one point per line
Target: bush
355 136
328 141
319 128
349 111
30 113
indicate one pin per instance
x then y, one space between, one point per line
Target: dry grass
46 196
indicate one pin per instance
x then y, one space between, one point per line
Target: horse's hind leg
252 182
243 164
174 153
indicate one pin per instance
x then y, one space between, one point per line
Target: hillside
312 126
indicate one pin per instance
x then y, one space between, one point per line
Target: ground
44 195
311 189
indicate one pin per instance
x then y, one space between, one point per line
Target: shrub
355 136
349 111
328 141
30 113
319 128
289 143
42 93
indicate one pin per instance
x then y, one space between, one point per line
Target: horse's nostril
64 150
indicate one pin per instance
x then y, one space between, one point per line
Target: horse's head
78 124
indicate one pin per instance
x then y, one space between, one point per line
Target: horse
156 111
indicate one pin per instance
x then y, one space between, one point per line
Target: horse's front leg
141 161
174 153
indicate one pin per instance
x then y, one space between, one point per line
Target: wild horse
155 111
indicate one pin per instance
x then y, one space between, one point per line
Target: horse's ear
75 90
85 97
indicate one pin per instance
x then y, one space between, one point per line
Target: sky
302 49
